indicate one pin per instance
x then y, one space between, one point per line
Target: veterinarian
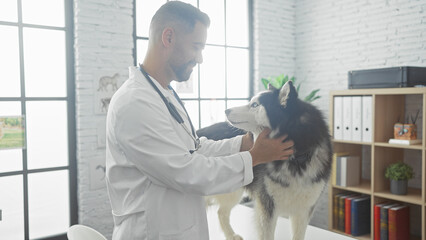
157 170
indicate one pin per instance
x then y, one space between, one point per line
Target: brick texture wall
334 37
317 41
103 46
274 39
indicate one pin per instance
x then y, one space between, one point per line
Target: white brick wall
274 39
103 46
317 41
333 37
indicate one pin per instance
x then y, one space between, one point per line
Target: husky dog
291 187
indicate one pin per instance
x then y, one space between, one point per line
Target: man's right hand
267 149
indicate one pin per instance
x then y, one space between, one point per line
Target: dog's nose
227 111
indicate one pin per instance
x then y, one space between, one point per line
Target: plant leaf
298 87
311 97
265 82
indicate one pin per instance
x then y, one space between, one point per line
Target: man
156 172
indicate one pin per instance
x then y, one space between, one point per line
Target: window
38 181
224 79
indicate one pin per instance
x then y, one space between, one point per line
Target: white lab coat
155 185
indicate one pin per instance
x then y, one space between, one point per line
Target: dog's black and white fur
290 187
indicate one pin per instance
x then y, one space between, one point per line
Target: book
405 142
360 216
350 171
384 220
338 169
399 223
377 208
334 167
348 201
341 219
336 209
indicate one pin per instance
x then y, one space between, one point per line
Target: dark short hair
182 13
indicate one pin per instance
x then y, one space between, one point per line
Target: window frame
250 49
70 102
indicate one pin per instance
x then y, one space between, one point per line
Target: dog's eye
254 105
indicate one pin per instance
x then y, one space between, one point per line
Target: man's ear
167 36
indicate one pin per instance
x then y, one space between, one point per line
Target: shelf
352 142
380 91
363 237
384 144
364 187
388 105
413 196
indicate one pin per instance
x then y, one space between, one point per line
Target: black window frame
249 48
69 98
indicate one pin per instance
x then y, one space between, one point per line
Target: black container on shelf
392 77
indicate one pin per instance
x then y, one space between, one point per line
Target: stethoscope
173 111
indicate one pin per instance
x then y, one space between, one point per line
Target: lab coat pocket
188 234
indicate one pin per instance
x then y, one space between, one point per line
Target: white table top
243 223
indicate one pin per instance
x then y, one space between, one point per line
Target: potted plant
399 173
280 80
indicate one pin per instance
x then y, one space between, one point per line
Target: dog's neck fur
256 133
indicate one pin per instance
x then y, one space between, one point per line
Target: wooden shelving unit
388 105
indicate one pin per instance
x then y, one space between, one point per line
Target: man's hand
267 149
247 142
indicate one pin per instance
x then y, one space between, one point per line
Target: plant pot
399 187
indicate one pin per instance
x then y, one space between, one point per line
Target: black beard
181 74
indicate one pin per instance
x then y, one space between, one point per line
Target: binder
367 121
338 118
349 171
347 118
356 118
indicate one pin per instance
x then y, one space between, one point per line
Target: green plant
399 171
280 80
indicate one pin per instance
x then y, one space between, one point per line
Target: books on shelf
333 166
336 199
399 223
351 213
341 216
405 142
360 216
348 212
377 208
391 221
346 170
384 220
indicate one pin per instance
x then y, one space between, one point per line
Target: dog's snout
227 111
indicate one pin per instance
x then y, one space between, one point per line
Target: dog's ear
271 87
287 93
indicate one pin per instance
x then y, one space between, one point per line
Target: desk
243 223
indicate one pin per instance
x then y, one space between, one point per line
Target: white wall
317 41
333 37
274 39
103 46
